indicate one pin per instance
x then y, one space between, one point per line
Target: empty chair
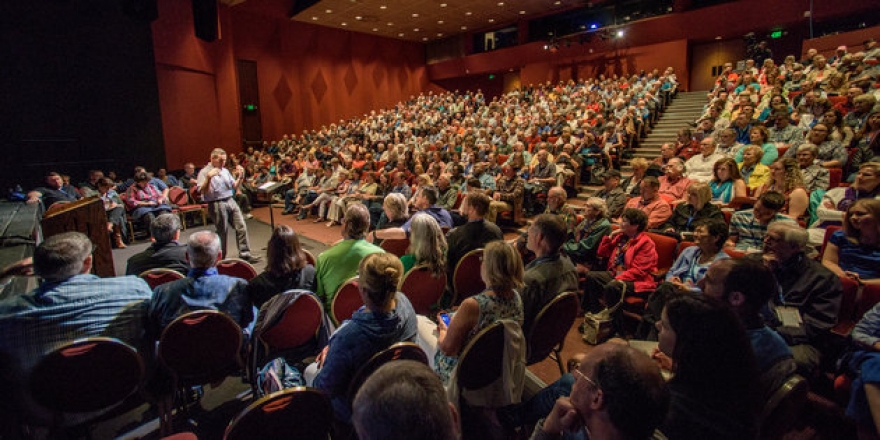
179 199
197 348
423 288
346 302
294 413
159 276
87 376
235 267
550 327
466 279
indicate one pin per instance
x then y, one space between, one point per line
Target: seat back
86 375
466 279
200 347
551 326
299 323
159 276
783 407
177 196
310 257
346 302
835 175
682 246
399 351
666 251
195 195
422 288
869 298
830 230
395 246
300 412
480 363
235 267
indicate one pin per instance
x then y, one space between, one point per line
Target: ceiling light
415 15
375 29
390 24
383 7
439 34
329 11
500 3
468 13
619 33
315 18
424 38
400 34
442 5
439 21
464 28
344 23
416 30
359 18
557 2
491 20
522 12
718 37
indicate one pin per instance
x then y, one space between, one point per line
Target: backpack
277 375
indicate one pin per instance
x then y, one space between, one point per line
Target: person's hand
876 346
853 276
770 261
563 417
496 196
33 200
662 359
23 267
441 326
322 356
214 172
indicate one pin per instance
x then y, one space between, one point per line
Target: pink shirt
658 210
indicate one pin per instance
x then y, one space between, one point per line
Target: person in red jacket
632 257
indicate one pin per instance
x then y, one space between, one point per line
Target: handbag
598 327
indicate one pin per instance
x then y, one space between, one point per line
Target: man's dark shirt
51 196
171 255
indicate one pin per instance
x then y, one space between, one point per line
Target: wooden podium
86 216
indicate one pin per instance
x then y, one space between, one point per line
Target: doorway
708 59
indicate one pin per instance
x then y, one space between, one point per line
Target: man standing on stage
218 186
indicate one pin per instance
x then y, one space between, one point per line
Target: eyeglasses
584 377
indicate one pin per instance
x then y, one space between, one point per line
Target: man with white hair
218 186
700 167
808 302
202 289
673 184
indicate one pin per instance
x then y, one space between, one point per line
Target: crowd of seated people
377 170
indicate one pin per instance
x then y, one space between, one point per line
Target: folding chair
235 267
159 276
422 288
300 413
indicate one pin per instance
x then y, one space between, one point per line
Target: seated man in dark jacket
165 252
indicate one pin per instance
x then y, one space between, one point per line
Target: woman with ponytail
386 318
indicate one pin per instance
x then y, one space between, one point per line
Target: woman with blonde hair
427 245
386 318
502 271
697 207
854 252
786 179
632 184
753 172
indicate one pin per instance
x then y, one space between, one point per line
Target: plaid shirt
38 322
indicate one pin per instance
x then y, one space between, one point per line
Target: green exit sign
776 34
250 108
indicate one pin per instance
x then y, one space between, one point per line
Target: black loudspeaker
141 10
301 5
206 22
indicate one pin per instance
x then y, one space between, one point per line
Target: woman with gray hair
427 245
589 233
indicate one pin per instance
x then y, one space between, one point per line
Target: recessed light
383 7
315 18
439 21
442 5
439 34
424 38
375 29
329 11
468 13
464 28
344 23
415 15
491 20
359 18
416 30
522 12
390 24
500 3
718 37
557 2
400 34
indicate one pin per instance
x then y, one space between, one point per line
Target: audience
697 207
340 262
727 182
54 192
786 179
673 184
809 295
588 235
650 202
69 304
202 289
613 194
854 252
386 318
748 227
427 246
286 268
164 252
700 166
403 400
551 272
815 176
